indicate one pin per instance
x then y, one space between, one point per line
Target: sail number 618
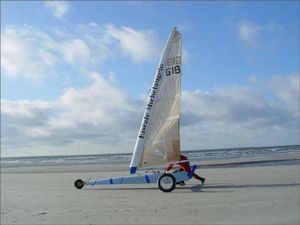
173 70
173 65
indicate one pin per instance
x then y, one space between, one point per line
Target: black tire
79 184
166 182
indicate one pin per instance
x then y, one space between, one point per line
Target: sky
75 74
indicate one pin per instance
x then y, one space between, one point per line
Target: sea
291 151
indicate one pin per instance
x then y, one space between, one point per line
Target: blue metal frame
142 179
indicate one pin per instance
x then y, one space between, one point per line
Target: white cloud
253 79
31 53
286 90
239 116
76 52
88 120
58 8
141 45
93 116
25 52
265 36
99 103
248 32
234 104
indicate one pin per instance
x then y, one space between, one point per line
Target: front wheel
79 184
166 182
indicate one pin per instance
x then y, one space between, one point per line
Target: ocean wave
196 155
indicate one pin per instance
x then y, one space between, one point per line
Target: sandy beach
256 194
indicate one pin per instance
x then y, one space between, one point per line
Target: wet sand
253 194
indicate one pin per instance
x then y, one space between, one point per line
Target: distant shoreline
183 151
271 162
228 158
109 167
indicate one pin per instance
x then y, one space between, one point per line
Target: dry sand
247 195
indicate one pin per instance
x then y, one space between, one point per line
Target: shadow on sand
199 188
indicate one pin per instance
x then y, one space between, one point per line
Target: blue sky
74 75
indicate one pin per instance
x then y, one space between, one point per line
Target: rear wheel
79 184
166 182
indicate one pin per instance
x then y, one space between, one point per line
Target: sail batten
158 140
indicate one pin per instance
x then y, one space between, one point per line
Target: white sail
158 140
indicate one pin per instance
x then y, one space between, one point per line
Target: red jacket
183 165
